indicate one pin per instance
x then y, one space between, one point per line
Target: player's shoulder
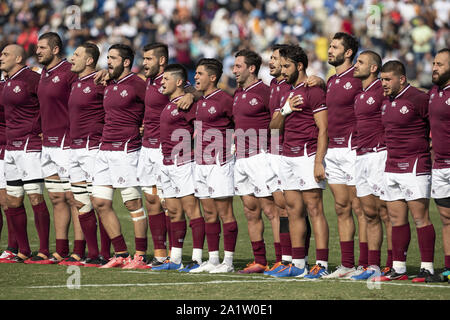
416 93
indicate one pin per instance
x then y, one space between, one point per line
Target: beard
362 76
442 79
337 61
46 60
117 71
292 79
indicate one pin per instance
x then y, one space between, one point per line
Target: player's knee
14 193
81 198
102 197
130 194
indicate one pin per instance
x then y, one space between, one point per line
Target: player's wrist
286 110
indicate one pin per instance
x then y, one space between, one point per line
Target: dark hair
376 59
161 49
349 42
54 40
212 66
92 50
296 54
278 46
251 58
125 52
444 50
179 70
394 66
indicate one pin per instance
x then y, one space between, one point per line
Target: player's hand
185 102
319 172
41 135
295 102
314 81
141 130
101 77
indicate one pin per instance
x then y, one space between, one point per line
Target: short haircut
394 66
251 58
91 50
125 52
444 50
179 70
212 66
278 46
348 41
296 54
160 49
375 57
54 40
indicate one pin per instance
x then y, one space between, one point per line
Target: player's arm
321 120
191 95
315 81
277 121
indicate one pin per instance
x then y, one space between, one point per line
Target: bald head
13 57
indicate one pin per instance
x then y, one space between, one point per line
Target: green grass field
51 282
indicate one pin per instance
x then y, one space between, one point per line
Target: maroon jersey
2 123
439 109
86 113
155 102
300 130
342 90
176 126
23 122
405 119
123 101
252 118
277 90
368 119
53 92
214 115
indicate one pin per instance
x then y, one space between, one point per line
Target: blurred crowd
411 31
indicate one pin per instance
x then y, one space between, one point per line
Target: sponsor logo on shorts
121 180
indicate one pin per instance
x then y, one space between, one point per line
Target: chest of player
119 97
16 93
54 86
210 112
341 92
84 95
367 105
439 105
400 113
248 105
173 118
155 100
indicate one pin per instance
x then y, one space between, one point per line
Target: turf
50 282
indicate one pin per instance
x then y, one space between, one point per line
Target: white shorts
214 180
150 162
22 165
297 173
177 181
255 176
2 175
440 183
370 173
340 166
55 160
275 162
82 162
116 168
406 186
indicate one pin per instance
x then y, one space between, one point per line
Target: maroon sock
19 221
447 262
79 247
348 253
42 223
12 241
426 237
285 242
105 241
198 232
141 244
157 224
298 253
389 259
374 257
363 254
169 232
119 244
259 251
277 246
401 236
230 232
178 230
322 254
88 223
62 247
212 231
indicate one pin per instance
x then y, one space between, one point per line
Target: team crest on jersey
174 112
17 89
212 110
447 102
404 110
55 79
124 93
370 101
253 102
87 90
347 86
